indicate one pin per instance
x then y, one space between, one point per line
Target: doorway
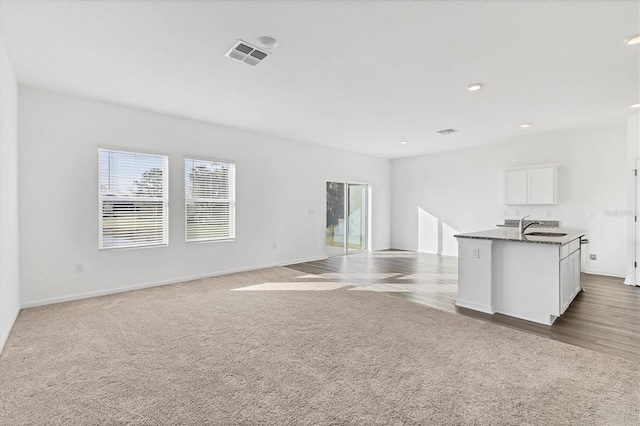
347 216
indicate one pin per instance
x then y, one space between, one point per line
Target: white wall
463 190
278 183
633 153
9 243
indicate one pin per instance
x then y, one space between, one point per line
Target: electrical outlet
476 253
78 267
275 246
548 213
593 257
312 212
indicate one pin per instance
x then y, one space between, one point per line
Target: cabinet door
575 274
569 279
515 187
541 186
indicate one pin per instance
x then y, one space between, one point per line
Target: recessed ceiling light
525 125
474 87
403 142
636 105
633 39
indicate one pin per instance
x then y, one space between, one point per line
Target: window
210 199
133 195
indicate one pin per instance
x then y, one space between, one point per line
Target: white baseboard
308 259
475 306
78 296
605 273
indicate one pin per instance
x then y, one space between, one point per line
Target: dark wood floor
604 318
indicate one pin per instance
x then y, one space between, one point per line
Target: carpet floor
198 353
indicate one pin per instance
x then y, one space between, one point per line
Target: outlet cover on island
593 257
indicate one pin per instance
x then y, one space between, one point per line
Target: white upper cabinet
531 185
515 187
541 184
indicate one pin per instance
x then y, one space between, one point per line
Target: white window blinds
210 199
133 196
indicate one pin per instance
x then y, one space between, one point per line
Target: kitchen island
532 277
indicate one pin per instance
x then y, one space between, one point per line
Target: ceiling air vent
447 131
244 52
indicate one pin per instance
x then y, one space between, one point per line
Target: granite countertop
510 234
515 223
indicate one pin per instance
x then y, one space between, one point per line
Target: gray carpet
197 353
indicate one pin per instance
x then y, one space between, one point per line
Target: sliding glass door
357 213
336 243
347 212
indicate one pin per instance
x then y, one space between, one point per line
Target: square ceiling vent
245 52
447 131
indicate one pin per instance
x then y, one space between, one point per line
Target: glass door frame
364 226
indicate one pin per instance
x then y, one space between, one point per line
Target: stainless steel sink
545 234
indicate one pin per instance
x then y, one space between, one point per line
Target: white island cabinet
529 277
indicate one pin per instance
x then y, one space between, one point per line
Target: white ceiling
355 75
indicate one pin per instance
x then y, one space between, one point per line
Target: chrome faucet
524 228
